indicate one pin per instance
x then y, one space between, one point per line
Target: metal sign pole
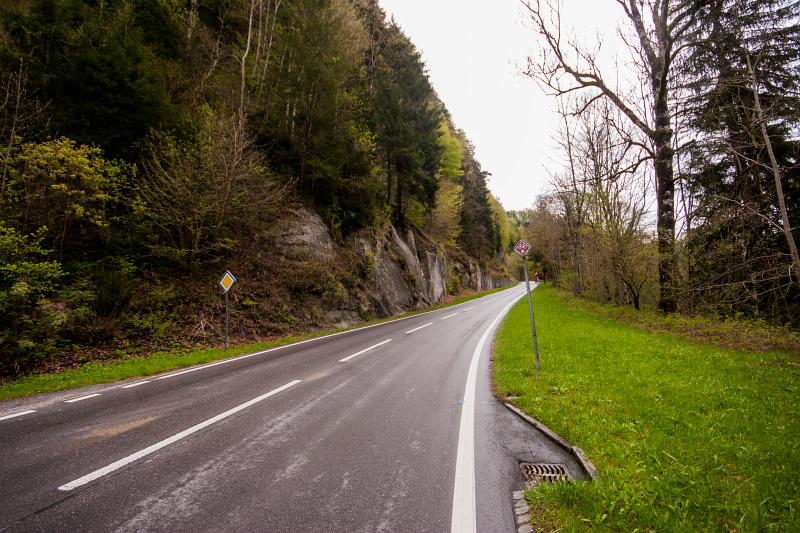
226 283
226 320
530 309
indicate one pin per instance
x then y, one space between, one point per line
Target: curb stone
585 462
576 452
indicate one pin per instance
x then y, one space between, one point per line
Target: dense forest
147 145
680 183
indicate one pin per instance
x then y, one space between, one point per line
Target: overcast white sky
474 50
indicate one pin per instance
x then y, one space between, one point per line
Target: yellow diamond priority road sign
227 281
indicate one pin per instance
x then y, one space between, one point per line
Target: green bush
453 285
28 319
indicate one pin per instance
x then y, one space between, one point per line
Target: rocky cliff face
401 269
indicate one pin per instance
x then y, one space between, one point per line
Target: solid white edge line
233 359
419 328
365 350
463 519
88 478
132 385
448 316
15 415
82 398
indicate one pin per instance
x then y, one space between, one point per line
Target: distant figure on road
536 277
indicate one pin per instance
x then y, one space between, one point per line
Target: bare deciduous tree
760 119
662 31
605 186
206 198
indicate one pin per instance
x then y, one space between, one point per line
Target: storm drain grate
534 473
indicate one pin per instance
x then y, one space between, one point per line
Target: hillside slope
150 146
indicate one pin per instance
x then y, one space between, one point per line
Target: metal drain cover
534 473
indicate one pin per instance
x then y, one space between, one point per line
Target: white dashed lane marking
88 478
365 350
132 385
82 398
15 415
419 328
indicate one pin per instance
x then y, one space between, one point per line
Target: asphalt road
386 428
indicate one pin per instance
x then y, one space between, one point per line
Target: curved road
386 428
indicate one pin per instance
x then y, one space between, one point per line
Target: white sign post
522 248
226 283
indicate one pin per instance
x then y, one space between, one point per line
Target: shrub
28 320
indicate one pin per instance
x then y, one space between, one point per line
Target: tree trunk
665 203
388 177
787 228
18 93
398 214
243 73
192 19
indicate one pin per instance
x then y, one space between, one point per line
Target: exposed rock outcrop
401 270
411 272
302 233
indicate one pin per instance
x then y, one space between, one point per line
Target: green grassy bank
685 436
127 367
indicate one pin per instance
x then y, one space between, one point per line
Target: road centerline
365 350
132 385
15 415
448 316
419 328
81 398
116 465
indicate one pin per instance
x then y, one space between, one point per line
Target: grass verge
115 370
686 436
747 335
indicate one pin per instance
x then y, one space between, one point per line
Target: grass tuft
686 436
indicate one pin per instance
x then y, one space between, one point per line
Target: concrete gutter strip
585 462
578 453
558 439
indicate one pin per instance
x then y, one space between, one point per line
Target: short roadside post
522 248
226 283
